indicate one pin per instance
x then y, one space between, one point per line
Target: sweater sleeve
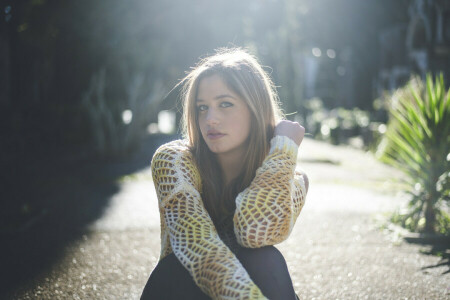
266 211
193 237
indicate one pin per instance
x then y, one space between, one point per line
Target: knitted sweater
265 215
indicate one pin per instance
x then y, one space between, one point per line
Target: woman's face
223 117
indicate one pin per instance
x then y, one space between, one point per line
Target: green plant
417 142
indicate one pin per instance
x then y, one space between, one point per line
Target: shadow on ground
436 246
53 203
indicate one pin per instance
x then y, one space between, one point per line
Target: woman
229 190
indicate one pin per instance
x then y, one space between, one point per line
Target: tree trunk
430 214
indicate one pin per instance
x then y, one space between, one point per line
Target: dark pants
266 267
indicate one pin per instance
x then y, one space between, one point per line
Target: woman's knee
267 257
170 280
159 281
267 268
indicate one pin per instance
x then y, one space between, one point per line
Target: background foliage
56 48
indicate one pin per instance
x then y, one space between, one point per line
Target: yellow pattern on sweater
265 215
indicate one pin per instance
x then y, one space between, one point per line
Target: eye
201 108
226 104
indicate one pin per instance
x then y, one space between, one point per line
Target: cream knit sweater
265 214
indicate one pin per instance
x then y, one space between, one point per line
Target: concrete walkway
336 250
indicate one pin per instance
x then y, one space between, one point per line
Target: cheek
201 123
247 127
242 124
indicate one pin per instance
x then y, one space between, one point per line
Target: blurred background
86 87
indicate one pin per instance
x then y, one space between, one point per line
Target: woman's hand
292 130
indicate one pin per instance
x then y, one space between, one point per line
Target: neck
231 164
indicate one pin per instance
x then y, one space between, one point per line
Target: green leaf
431 97
405 154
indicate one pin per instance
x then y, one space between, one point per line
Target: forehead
213 86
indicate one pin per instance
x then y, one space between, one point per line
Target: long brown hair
242 73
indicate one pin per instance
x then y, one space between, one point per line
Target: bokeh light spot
317 52
127 116
331 53
341 70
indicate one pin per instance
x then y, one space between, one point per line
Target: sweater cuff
284 144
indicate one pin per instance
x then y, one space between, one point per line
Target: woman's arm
267 210
192 235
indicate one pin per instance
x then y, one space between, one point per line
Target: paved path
336 250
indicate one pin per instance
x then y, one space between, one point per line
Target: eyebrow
218 97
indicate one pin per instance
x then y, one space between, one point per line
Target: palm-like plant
417 142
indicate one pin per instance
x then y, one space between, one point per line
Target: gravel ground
336 250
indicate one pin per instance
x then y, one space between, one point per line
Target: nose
212 117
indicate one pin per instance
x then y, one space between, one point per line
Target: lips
214 134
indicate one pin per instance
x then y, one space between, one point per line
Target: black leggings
266 267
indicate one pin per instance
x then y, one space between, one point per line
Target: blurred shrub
339 125
417 142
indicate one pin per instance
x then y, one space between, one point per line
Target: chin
215 149
214 146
